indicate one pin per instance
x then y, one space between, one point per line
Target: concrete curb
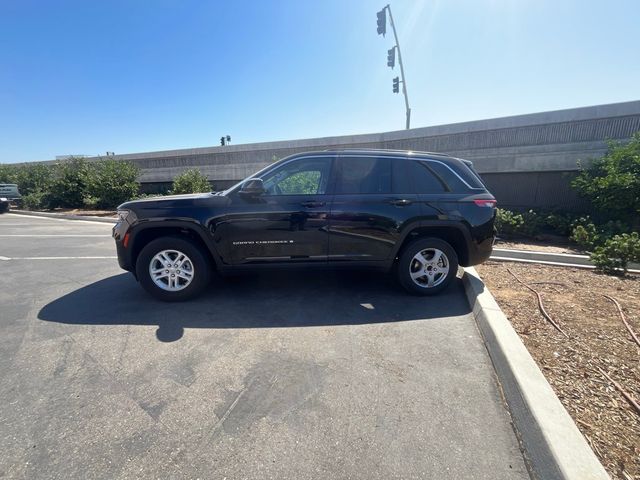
553 444
64 216
547 258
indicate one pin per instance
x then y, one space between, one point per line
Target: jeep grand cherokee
417 214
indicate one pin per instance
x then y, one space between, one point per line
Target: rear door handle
312 204
400 202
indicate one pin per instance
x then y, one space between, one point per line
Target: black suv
418 214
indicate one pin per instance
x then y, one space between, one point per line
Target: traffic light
396 85
391 57
382 22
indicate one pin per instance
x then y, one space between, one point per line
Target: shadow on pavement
266 300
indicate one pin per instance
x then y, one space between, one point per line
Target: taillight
485 203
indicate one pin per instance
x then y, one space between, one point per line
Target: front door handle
400 202
312 204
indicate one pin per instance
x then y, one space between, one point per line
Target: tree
612 183
190 181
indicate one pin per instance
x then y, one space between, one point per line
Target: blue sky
84 77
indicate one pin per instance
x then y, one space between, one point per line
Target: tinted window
469 175
363 175
401 177
306 176
450 179
423 178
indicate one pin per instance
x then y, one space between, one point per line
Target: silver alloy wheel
171 270
429 267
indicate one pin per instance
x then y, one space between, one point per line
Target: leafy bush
532 223
508 222
111 183
30 178
36 200
7 174
190 181
612 183
560 223
73 183
588 235
70 184
616 253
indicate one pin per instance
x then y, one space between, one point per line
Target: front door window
307 176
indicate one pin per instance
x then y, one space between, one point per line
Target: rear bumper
480 252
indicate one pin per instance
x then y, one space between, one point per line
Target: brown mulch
549 246
597 339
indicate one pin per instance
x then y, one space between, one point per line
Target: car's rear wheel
173 269
427 266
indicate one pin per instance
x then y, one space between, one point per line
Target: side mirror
252 187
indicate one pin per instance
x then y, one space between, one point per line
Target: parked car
417 214
4 205
9 191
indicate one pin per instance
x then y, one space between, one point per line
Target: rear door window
362 175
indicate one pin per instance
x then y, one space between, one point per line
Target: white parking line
58 258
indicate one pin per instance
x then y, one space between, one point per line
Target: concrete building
526 160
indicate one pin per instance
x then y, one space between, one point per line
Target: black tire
201 268
407 264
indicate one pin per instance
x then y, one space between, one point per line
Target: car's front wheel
427 266
173 269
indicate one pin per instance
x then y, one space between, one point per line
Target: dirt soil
597 338
557 245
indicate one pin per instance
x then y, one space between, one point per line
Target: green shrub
586 236
7 173
73 183
616 253
190 181
70 183
532 223
36 200
508 222
612 183
30 178
560 223
589 235
111 183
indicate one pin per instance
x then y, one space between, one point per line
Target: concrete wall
527 160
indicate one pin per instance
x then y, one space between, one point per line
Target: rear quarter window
470 176
455 181
423 178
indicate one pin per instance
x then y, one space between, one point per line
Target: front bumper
121 233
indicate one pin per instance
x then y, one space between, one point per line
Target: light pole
382 29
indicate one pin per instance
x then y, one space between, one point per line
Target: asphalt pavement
305 375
